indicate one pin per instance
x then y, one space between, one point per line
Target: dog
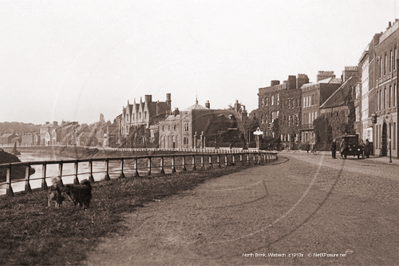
54 193
79 194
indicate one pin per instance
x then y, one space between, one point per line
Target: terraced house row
365 97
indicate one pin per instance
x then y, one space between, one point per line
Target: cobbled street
303 209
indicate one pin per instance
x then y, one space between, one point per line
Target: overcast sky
73 60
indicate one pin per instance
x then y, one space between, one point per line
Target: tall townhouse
313 95
282 101
385 117
366 133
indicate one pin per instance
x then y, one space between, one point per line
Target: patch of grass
34 234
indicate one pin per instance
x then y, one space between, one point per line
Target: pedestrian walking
333 149
307 148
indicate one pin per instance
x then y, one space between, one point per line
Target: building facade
199 126
313 95
282 101
145 113
384 91
366 133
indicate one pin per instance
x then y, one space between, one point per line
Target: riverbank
17 172
82 152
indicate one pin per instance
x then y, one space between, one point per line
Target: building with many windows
146 113
313 95
200 126
383 102
281 101
364 62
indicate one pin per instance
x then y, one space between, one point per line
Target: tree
102 119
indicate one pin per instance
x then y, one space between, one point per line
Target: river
68 171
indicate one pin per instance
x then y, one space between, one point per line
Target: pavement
373 158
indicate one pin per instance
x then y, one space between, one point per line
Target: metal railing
136 165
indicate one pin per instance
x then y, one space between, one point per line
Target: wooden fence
138 165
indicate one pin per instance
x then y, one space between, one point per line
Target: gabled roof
339 97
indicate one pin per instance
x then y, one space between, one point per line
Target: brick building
282 101
383 89
143 113
313 95
199 126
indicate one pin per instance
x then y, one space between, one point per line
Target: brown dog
79 194
54 193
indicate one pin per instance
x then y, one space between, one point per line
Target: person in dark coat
308 148
333 149
367 149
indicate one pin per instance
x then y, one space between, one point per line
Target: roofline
336 91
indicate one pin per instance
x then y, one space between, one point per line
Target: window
278 99
385 98
394 95
304 99
357 113
263 102
389 96
272 103
385 64
174 127
394 59
394 136
391 62
267 102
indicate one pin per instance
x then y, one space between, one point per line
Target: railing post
173 165
194 167
91 178
162 169
225 160
44 184
60 173
202 162
241 160
233 161
76 167
27 184
248 159
9 191
218 160
184 163
106 176
149 165
210 161
122 175
136 167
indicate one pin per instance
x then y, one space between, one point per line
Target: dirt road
293 211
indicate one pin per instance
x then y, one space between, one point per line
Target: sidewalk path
294 208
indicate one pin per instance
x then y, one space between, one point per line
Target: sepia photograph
199 132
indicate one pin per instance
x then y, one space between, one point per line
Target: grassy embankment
32 233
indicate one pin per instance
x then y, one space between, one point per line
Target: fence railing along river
98 169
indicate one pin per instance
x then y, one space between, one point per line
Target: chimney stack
207 104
